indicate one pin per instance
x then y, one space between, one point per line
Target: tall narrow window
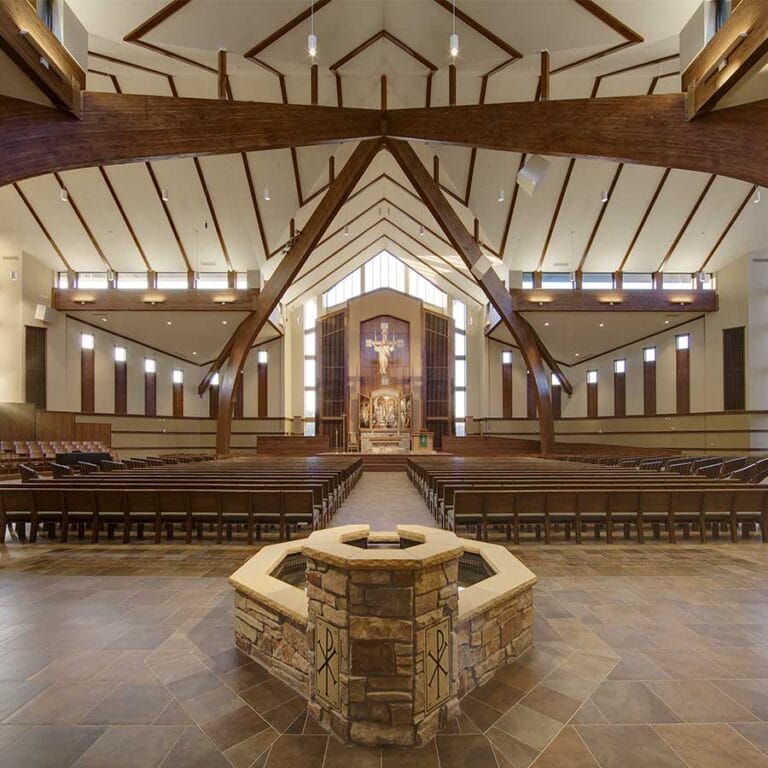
506 383
213 397
150 387
460 367
177 380
87 368
734 370
557 397
649 381
620 387
683 372
310 368
262 359
592 394
121 380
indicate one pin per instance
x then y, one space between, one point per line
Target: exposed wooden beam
687 222
545 76
114 129
43 228
644 219
255 204
452 84
222 74
314 90
383 34
493 287
269 298
317 6
645 130
613 300
212 211
556 213
480 29
728 227
739 45
154 300
40 56
169 217
600 216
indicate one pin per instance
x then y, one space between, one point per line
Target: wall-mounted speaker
532 173
46 315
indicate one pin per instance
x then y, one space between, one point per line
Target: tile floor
122 657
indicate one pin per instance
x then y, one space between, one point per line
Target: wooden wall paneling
649 387
437 375
87 380
35 365
592 400
332 377
262 382
55 425
177 395
557 401
150 394
17 421
619 394
734 369
239 399
683 380
94 432
121 387
506 389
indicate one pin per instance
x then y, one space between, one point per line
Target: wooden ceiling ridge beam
124 63
273 37
489 281
41 57
687 222
383 34
476 26
275 287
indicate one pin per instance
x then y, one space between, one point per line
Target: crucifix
384 349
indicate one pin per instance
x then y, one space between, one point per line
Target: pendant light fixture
501 196
604 196
758 196
312 37
63 194
453 43
266 194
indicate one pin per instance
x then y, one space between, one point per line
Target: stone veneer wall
381 615
492 638
274 639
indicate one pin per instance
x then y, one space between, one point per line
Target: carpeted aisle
384 500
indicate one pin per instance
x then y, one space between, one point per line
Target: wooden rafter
556 213
169 217
274 289
43 228
488 280
737 213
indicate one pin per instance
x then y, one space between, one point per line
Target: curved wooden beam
487 279
126 128
643 130
246 333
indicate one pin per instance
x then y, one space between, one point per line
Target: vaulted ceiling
217 215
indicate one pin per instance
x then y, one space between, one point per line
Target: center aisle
384 500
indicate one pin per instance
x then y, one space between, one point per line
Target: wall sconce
610 300
223 300
153 300
541 300
681 301
83 300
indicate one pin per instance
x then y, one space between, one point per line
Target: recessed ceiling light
103 319
169 322
602 325
546 325
194 353
223 322
666 322
575 354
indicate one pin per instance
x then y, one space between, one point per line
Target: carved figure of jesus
384 349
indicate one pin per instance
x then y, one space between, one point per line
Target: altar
385 442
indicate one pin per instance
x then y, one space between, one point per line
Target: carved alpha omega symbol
327 663
437 663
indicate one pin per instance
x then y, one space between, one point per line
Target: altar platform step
385 462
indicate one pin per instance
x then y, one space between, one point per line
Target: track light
63 195
758 196
501 196
266 194
604 196
164 195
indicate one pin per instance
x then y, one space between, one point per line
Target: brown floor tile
481 715
588 714
699 701
130 704
140 639
130 666
422 757
244 754
462 751
294 751
497 694
213 704
23 663
567 750
514 752
193 749
712 746
530 727
50 746
194 685
15 694
551 703
628 746
284 715
234 727
633 665
131 746
752 694
242 678
268 695
9 733
757 733
684 664
62 703
173 714
340 755
631 703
